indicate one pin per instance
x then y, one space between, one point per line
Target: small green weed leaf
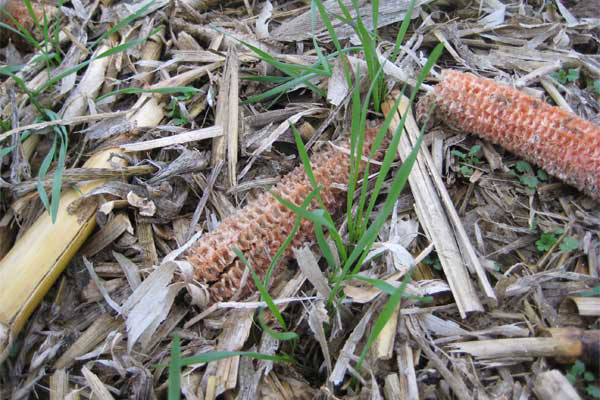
524 167
530 181
542 175
6 151
466 171
596 86
572 75
474 150
559 76
458 154
434 262
593 391
545 242
578 368
588 376
591 293
563 76
569 244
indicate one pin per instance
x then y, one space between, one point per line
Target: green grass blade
283 336
60 167
79 66
6 151
315 216
43 171
354 134
360 151
309 173
21 30
390 153
375 15
285 88
32 15
61 132
174 385
386 313
334 38
8 70
290 237
369 48
389 289
289 69
322 242
13 30
264 294
322 59
402 31
164 90
124 22
366 241
266 78
23 86
220 355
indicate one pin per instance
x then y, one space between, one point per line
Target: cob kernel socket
563 144
260 228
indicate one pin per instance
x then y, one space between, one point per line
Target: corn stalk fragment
432 216
26 275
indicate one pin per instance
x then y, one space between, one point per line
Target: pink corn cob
565 145
263 225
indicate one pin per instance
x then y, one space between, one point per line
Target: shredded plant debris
284 200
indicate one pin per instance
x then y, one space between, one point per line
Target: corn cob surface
260 228
560 142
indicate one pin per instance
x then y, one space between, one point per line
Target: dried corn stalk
260 228
565 145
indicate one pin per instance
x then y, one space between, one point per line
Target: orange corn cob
263 225
563 144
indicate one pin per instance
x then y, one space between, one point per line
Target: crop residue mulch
527 243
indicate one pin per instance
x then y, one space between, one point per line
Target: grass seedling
177 363
59 147
264 294
362 227
298 75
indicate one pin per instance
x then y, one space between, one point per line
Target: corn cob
563 144
260 228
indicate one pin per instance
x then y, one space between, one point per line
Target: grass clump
363 223
49 53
